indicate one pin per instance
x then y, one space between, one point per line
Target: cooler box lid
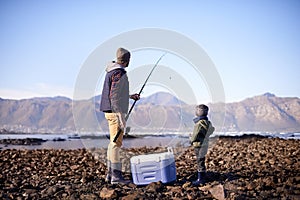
153 157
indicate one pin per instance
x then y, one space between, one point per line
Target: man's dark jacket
115 93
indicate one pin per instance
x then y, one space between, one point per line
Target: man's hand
122 121
135 97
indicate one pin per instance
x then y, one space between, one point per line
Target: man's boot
117 174
108 175
201 179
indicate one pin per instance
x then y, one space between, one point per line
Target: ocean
99 140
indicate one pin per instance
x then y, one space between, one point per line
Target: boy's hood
112 66
197 119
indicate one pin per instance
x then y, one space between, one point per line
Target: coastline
240 168
96 140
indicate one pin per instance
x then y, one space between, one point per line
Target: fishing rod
141 90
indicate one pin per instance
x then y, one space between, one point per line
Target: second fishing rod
140 92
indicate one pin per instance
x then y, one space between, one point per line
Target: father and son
115 103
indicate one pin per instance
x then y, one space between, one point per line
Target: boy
202 130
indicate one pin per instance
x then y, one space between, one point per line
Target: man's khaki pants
113 150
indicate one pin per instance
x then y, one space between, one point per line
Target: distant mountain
158 112
161 98
265 112
37 114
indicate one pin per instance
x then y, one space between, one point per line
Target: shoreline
72 142
244 168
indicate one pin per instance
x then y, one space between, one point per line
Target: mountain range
156 113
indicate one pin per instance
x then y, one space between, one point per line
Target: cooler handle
170 150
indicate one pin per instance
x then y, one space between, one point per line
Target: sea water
71 141
63 141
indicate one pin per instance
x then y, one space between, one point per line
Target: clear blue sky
255 45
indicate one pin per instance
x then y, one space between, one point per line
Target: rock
154 187
186 185
217 192
88 196
26 141
108 193
132 196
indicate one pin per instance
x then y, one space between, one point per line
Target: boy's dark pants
200 154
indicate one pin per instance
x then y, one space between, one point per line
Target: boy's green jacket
202 130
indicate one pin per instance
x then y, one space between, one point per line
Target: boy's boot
109 172
117 174
201 179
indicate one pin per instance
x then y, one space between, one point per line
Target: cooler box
153 167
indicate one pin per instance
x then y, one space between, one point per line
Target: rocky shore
26 141
238 168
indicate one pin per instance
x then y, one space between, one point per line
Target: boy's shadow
212 177
221 177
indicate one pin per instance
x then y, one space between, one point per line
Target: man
114 104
